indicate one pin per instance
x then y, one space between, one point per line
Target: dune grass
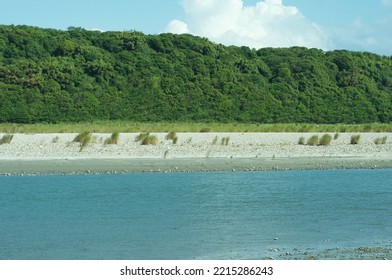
128 126
147 139
172 136
6 139
355 139
325 140
113 140
84 138
381 140
313 140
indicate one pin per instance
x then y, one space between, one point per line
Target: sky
358 25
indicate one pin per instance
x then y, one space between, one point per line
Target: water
193 215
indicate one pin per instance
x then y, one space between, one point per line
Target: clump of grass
313 141
205 130
355 139
301 141
147 139
215 140
84 138
79 138
325 140
172 136
225 141
85 142
165 154
336 136
55 139
150 140
141 136
381 141
113 140
6 139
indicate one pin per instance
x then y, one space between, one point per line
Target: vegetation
301 141
55 76
172 136
147 139
127 126
215 140
84 138
225 141
6 139
56 139
81 136
325 140
381 141
150 140
355 139
205 130
313 140
113 140
141 136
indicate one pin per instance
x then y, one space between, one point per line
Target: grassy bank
124 126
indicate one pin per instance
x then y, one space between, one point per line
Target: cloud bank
269 23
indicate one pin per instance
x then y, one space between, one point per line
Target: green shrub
84 139
301 141
336 136
205 129
225 141
81 136
325 140
141 136
381 141
6 139
171 135
150 140
85 142
55 139
113 140
355 139
313 141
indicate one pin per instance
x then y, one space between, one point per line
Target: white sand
193 145
197 146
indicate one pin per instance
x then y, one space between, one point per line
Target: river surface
233 215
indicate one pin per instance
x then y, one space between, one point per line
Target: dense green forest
49 75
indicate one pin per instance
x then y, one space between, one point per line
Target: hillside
76 75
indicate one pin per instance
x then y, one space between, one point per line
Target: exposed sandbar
57 154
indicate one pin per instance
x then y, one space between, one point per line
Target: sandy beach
30 154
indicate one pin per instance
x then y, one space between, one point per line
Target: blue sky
326 24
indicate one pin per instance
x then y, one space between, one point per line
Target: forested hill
49 75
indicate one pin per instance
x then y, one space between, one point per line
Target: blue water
193 215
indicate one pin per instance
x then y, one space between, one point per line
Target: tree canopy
49 75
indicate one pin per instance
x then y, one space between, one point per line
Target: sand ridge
193 151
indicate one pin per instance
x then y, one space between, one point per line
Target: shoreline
56 153
131 166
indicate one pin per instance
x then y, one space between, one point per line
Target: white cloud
362 36
177 26
269 23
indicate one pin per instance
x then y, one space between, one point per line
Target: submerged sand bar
57 154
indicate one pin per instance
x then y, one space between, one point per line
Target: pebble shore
32 154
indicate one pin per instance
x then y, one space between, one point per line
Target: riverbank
58 154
